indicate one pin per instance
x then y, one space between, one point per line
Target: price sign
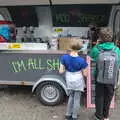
14 46
58 30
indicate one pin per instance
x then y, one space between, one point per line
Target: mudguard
55 78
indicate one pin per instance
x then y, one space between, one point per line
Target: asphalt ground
18 103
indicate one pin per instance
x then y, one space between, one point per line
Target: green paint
62 18
49 65
40 65
81 18
34 64
21 65
31 65
14 67
53 64
56 64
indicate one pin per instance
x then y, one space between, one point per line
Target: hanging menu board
81 15
23 15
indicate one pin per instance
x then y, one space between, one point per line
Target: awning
23 2
84 1
47 2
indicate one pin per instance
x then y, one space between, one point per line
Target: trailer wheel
50 93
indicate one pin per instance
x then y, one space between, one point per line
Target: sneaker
94 118
68 117
74 118
106 118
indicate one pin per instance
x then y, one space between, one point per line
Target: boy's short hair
106 34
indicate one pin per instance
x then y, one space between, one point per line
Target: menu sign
80 15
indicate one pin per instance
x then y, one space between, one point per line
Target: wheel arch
53 78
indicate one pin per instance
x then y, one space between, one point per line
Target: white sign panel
23 2
83 1
23 46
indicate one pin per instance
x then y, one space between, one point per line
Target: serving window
46 24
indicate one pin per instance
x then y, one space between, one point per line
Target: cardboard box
65 43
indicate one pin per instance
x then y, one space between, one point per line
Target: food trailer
42 33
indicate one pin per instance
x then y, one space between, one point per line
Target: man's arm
119 57
94 53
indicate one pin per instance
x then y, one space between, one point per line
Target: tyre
50 93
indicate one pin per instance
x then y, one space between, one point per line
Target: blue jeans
73 106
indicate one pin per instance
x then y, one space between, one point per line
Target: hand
94 43
62 69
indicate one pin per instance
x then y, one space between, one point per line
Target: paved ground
19 104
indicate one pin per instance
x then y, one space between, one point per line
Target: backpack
107 67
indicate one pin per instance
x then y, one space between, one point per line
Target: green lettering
56 64
14 67
21 66
62 18
36 64
40 65
49 65
31 65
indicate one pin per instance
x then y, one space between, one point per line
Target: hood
107 45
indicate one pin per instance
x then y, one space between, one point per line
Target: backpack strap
113 49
